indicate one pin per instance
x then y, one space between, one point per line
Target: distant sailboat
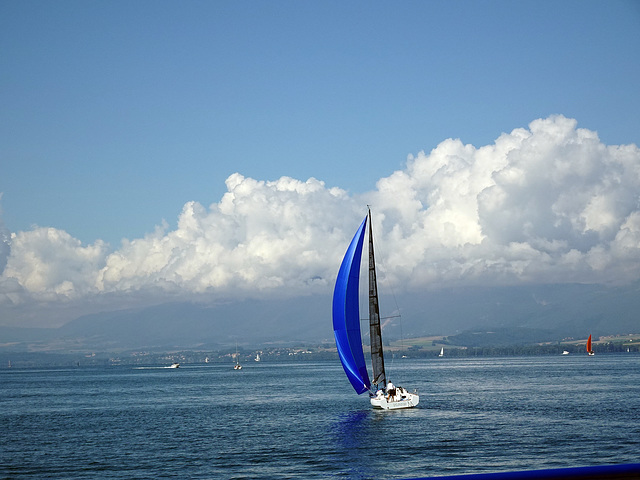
441 354
346 329
589 350
257 359
237 366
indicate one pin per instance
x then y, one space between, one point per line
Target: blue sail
346 315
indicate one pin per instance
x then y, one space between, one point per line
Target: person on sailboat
391 391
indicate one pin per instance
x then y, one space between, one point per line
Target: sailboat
589 350
441 354
237 366
346 329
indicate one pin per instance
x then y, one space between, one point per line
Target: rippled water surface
304 420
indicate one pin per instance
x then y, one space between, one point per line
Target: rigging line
380 259
366 319
387 285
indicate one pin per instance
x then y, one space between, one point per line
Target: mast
377 356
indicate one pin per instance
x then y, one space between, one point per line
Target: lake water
304 420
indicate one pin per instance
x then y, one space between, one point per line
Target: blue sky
114 114
192 129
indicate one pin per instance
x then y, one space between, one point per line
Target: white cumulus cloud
544 204
261 236
50 262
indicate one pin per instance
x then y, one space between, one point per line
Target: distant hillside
556 311
182 325
515 315
502 337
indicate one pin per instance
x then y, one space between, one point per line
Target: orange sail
589 351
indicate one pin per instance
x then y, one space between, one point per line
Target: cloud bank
547 204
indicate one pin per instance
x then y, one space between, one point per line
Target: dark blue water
304 421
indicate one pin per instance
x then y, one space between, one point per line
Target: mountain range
544 312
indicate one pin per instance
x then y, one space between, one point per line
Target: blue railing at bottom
604 472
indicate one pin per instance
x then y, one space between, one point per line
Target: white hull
408 400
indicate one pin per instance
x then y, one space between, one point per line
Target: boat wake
154 368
